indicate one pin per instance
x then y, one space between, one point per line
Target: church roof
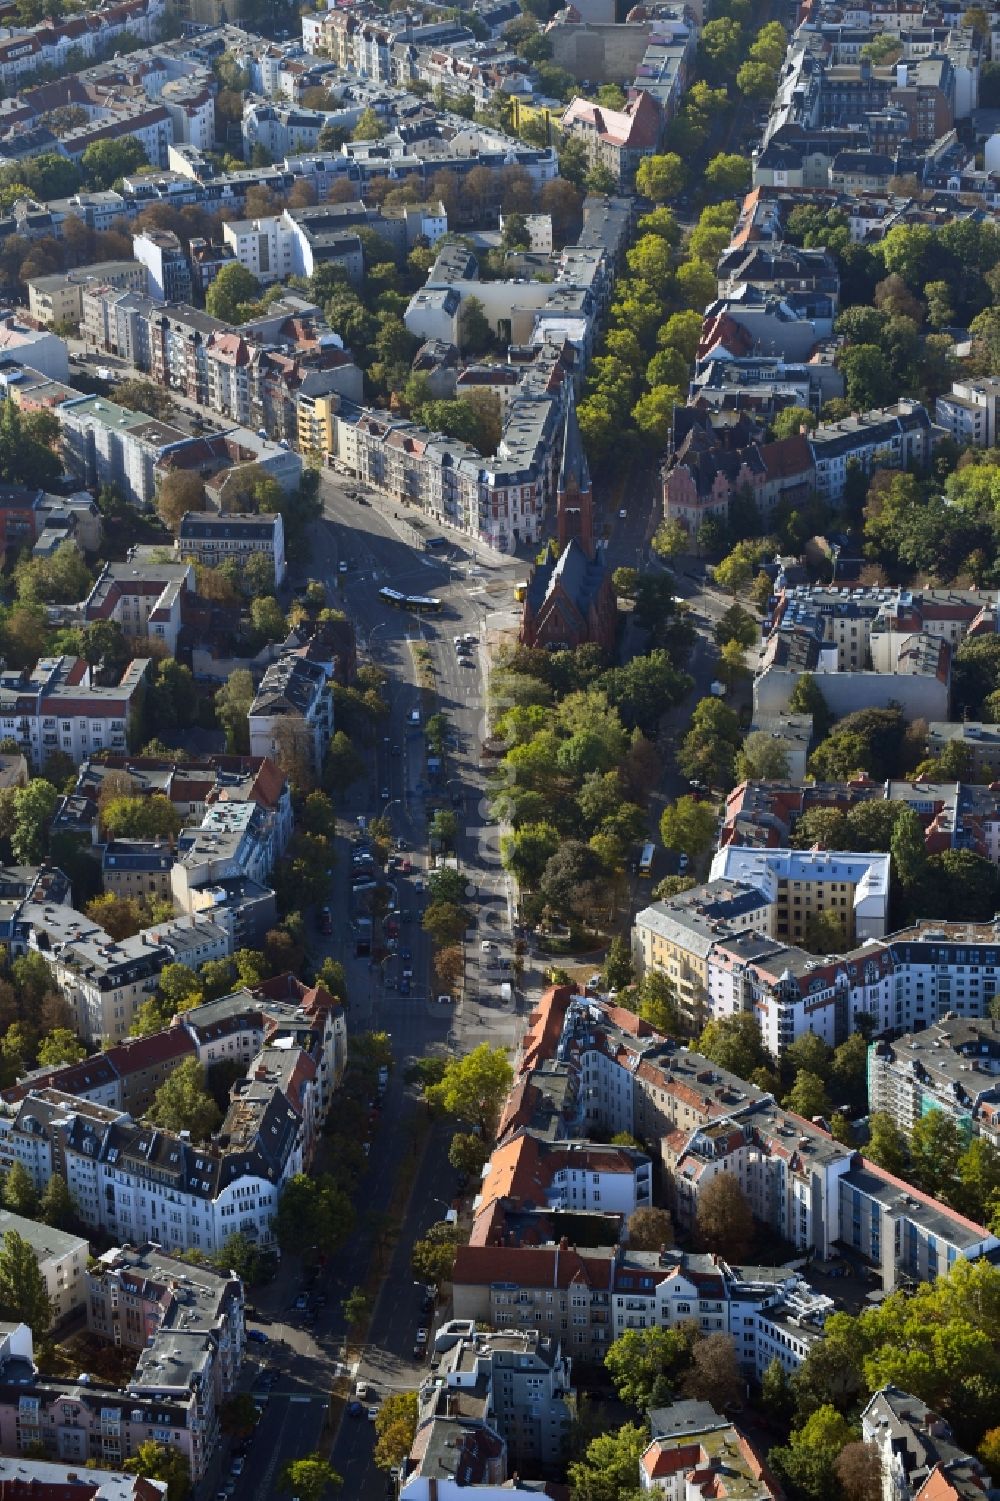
580 578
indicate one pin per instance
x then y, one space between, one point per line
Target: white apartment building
970 412
918 1451
266 247
59 706
62 1261
140 1184
292 713
145 599
802 884
106 981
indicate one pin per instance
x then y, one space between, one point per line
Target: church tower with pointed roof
574 493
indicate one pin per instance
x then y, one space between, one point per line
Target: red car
406 867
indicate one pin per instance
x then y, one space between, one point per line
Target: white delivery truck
506 992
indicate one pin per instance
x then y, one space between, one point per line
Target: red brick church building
570 599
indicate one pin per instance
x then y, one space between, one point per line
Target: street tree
474 1087
433 1257
24 1298
661 177
155 1461
357 1308
467 1153
688 825
313 1212
445 922
395 1429
309 1479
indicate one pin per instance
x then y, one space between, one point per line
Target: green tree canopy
183 1103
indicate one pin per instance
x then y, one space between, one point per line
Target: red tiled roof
542 1266
787 456
145 1052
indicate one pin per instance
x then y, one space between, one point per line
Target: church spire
574 500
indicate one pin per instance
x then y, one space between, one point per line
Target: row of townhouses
587 1067
184 1322
137 1183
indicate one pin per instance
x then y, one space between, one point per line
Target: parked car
257 1335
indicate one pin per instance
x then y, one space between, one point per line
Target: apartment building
917 1450
893 437
589 1298
601 1073
146 599
868 626
568 1177
59 298
979 741
805 884
105 444
969 412
105 982
954 815
137 1184
47 1479
36 347
295 243
167 267
526 1380
61 705
919 683
952 1065
616 139
233 537
136 1293
62 1260
191 784
691 1445
676 937
291 717
136 868
284 1013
